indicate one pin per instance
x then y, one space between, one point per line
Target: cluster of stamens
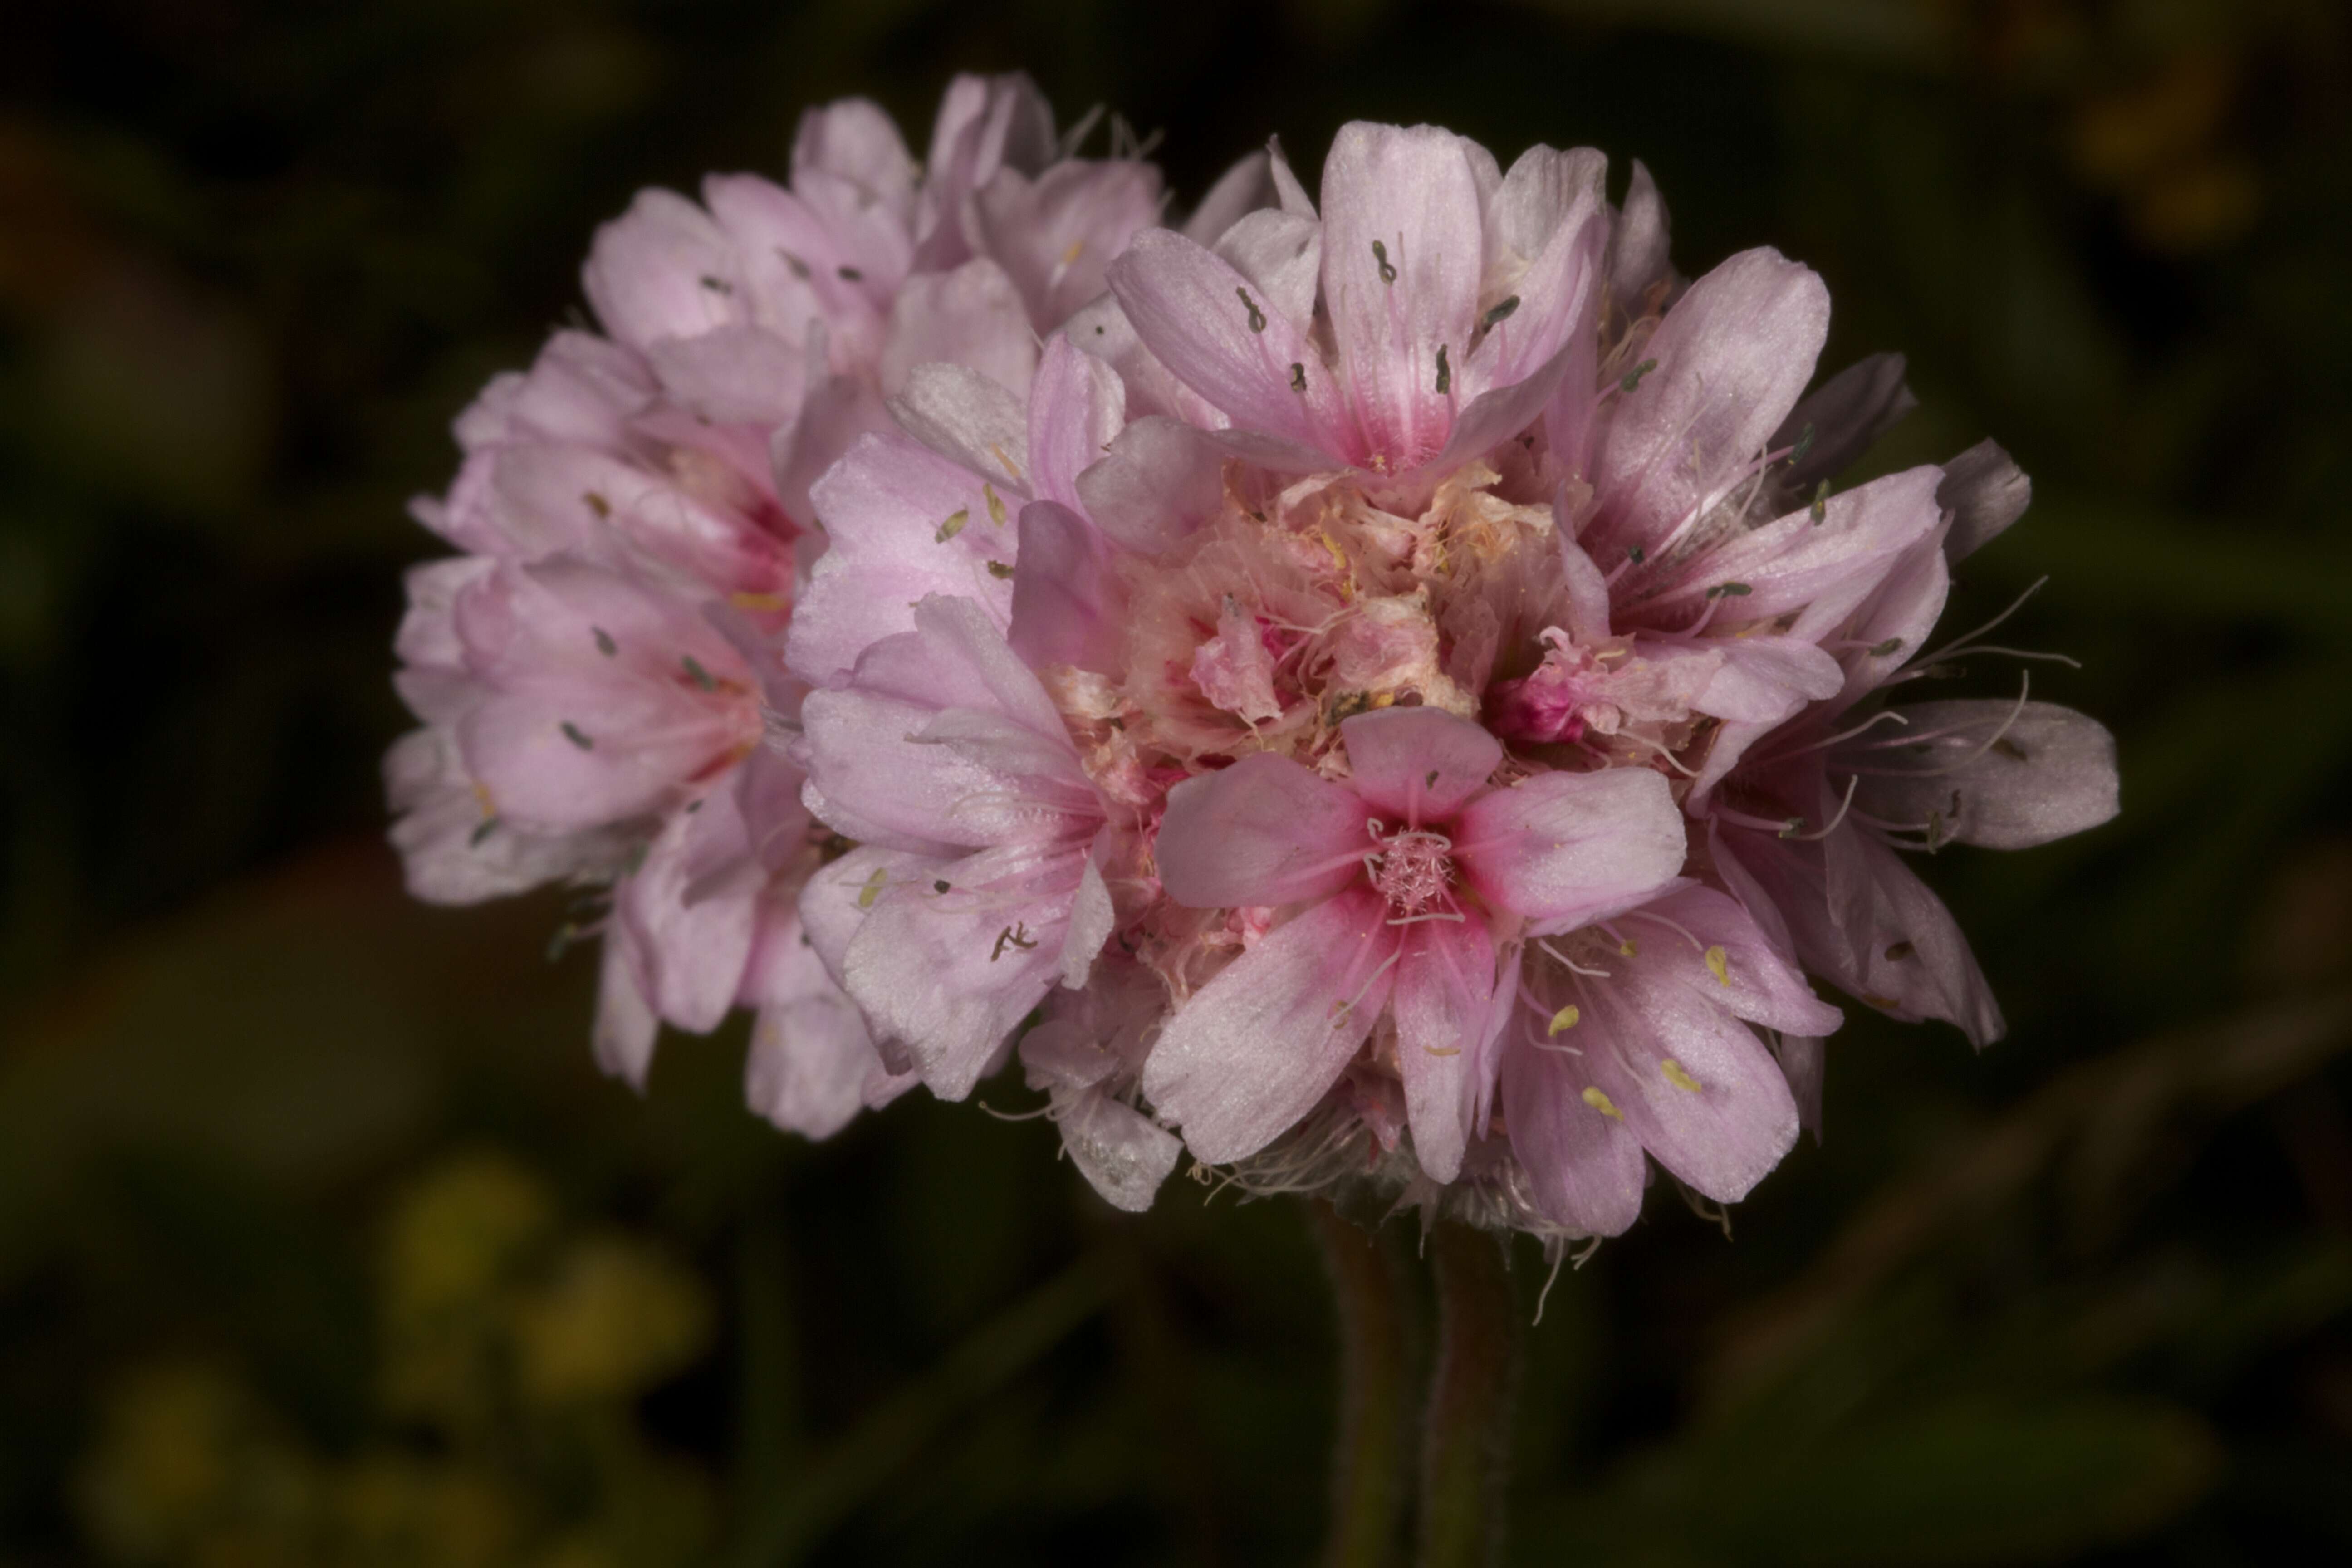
1414 870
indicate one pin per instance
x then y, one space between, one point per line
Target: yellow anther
760 603
482 798
1600 1103
873 887
953 525
1010 466
1718 963
1070 257
1676 1075
1626 949
1442 1050
996 505
1564 1019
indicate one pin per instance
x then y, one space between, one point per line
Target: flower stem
1466 1437
1367 1472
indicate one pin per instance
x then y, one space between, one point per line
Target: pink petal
625 1026
1985 491
1251 1051
1055 234
1731 357
969 419
1638 245
1263 831
1764 679
885 507
811 1062
1239 191
1415 193
1444 988
1584 1166
691 950
1122 1153
1797 563
972 317
1076 407
1647 1039
1281 254
1188 308
1067 594
1993 773
1418 764
1570 849
662 270
1715 948
1161 479
1842 418
948 973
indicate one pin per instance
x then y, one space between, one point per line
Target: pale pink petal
1568 848
1694 1084
1764 679
811 1062
662 270
838 412
2004 775
1638 244
1707 942
1799 563
1584 1166
454 850
1263 831
1067 596
1239 191
1985 491
1414 194
1802 1063
732 374
1418 764
1444 989
905 523
1122 1153
1161 479
1730 359
1054 235
691 943
1839 420
1200 317
953 973
984 124
1251 1051
625 1026
1892 626
1550 214
1281 254
1234 669
968 418
1076 407
972 317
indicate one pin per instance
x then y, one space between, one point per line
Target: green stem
1368 1477
1467 1439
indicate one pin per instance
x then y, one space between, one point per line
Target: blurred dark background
322 1240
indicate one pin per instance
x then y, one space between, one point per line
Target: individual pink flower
1637 1035
1406 873
1808 826
1450 289
979 883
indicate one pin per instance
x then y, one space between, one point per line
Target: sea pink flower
1633 1035
980 881
1452 290
1408 872
1807 827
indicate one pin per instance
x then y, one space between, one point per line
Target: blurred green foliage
320 1240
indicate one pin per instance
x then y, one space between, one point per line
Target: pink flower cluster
1381 690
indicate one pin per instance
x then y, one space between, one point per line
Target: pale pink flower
1408 871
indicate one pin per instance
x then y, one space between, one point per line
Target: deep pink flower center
1414 870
